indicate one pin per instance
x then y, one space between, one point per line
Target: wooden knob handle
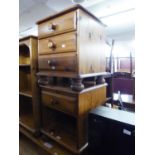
52 64
52 26
49 62
51 44
53 67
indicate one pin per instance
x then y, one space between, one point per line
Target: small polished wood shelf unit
28 91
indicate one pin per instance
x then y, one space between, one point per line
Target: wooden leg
100 80
77 84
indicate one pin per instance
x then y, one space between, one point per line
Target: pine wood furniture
64 114
64 119
28 89
71 44
71 71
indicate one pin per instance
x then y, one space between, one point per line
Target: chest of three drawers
71 44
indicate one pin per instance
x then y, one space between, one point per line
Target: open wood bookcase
28 90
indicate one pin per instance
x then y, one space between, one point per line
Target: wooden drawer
58 62
64 23
58 44
60 102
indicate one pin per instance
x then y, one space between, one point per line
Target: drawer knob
53 67
52 64
52 26
51 44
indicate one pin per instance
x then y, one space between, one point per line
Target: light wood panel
35 88
87 101
90 45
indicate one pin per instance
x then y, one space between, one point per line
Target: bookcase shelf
28 102
24 65
27 93
26 120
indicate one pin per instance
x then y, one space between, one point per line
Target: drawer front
59 102
64 23
58 44
58 62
